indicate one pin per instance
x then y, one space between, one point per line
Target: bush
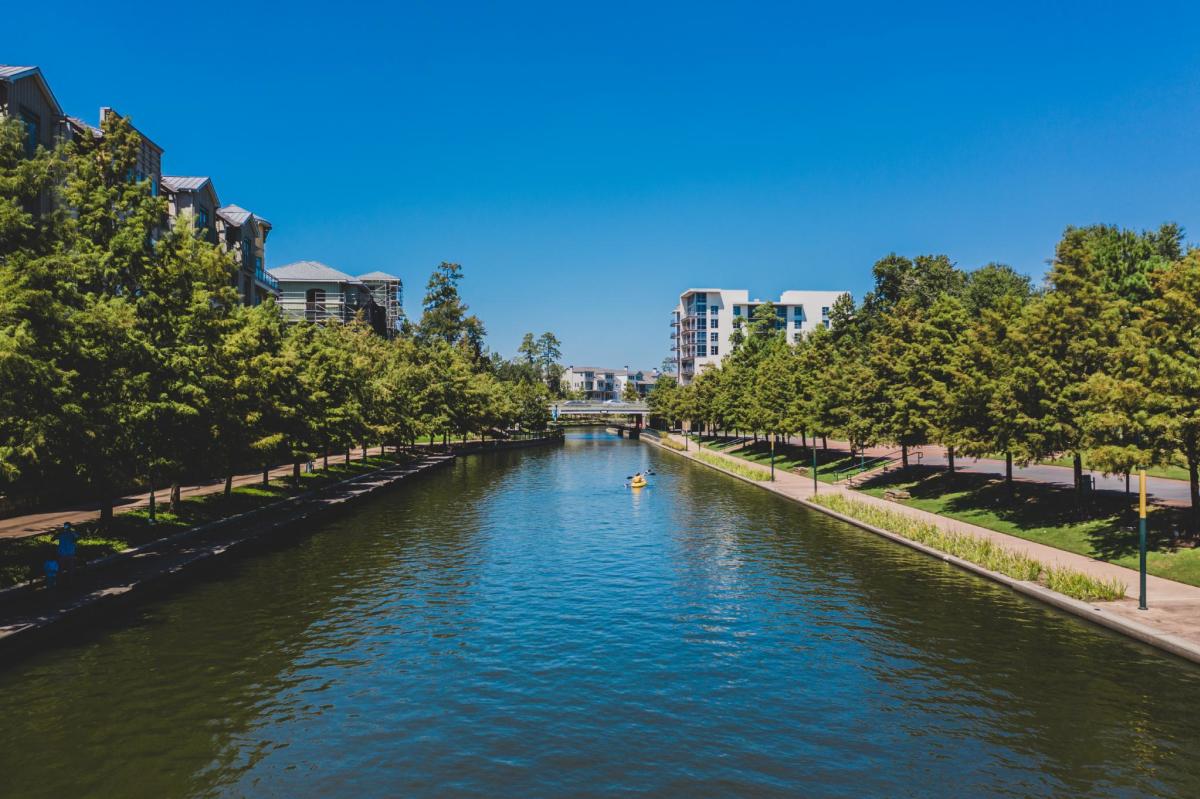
980 551
733 466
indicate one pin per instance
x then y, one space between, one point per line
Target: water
523 625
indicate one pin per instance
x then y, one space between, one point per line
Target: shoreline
1164 641
28 612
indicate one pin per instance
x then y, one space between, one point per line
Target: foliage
979 551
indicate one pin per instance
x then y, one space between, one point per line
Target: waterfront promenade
1174 608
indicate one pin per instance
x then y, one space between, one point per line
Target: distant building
704 320
311 291
245 238
601 384
388 293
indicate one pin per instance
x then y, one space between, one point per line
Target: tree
1168 339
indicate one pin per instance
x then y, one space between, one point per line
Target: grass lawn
23 558
1046 514
789 457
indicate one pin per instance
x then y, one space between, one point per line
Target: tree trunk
347 455
228 484
296 474
1078 468
364 449
904 455
1194 481
266 481
1008 481
824 443
106 506
950 459
326 458
175 497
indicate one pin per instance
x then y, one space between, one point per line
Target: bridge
638 410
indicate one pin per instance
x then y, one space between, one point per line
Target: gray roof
233 214
310 271
378 276
10 73
178 183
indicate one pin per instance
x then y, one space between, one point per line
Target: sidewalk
35 523
1174 608
1164 490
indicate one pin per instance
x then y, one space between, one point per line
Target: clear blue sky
586 162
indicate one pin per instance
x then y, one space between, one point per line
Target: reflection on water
523 624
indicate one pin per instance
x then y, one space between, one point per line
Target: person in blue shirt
51 567
66 537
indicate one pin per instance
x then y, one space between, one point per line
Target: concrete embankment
28 610
1172 624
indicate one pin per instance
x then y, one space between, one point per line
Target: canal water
521 624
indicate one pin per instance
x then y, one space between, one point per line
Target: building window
798 322
712 323
202 218
33 131
701 351
737 310
825 312
714 351
714 337
713 309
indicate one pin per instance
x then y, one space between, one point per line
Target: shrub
980 551
752 472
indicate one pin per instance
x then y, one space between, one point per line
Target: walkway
1164 490
1174 607
35 523
126 572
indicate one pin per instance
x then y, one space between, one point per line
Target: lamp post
1141 539
772 459
814 453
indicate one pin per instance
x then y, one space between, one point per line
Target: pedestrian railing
871 464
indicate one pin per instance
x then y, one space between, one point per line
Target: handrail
870 464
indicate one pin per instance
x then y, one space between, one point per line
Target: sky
586 163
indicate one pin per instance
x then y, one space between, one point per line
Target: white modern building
600 384
704 320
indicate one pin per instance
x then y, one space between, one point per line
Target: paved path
127 572
35 523
1174 607
1164 490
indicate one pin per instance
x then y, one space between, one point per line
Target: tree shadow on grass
1108 523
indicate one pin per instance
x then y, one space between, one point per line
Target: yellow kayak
637 482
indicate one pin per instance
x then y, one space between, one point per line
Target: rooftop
378 276
312 271
10 73
233 214
180 183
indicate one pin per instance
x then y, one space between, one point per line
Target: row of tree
126 357
1100 363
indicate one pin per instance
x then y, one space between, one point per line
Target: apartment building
600 384
25 95
704 320
314 292
195 197
245 238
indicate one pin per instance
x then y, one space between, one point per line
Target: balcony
266 279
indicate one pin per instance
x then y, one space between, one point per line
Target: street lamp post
814 453
1141 539
772 459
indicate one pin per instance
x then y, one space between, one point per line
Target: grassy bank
981 552
788 457
22 559
1046 514
753 472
